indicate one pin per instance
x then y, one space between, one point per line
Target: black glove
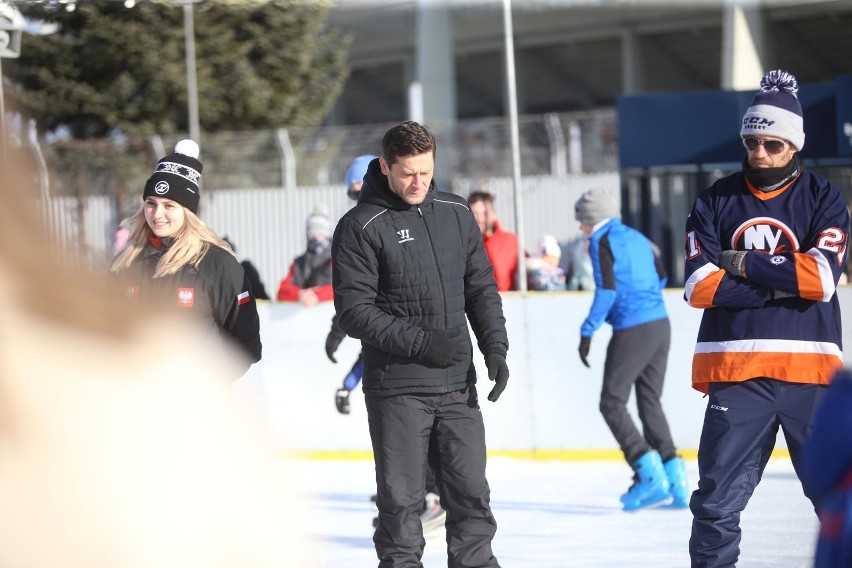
332 342
732 261
585 343
773 294
498 371
441 350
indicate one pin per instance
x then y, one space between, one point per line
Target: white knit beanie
318 223
775 110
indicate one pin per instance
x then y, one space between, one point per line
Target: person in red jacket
309 278
500 246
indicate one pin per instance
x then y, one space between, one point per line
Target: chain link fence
259 186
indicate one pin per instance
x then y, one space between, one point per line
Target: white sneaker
433 515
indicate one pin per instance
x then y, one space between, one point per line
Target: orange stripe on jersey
737 366
764 195
807 274
702 294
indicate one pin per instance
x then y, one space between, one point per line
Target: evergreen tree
260 64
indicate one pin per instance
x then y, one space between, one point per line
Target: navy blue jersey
797 238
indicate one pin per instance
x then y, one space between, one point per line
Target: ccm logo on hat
161 187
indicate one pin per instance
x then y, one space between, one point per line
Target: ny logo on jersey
404 236
764 234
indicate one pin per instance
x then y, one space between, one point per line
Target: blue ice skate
678 486
650 486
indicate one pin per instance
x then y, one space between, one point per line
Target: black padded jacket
400 270
217 295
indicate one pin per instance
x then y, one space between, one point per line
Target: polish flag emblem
186 297
243 298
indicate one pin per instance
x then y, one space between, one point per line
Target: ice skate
433 515
650 486
341 400
675 469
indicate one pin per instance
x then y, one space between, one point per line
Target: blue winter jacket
827 456
629 277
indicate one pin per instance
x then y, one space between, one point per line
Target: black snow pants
400 429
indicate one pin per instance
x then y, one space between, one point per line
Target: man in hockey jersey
765 248
410 270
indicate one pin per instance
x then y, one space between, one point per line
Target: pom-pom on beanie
775 110
594 206
178 176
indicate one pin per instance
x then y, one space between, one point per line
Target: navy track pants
740 426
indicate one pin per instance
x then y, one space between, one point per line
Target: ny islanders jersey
797 238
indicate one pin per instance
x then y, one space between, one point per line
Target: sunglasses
771 146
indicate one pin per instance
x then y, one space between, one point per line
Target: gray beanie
594 206
775 110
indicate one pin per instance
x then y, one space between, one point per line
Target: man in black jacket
408 266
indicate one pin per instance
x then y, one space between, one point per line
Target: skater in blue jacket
629 277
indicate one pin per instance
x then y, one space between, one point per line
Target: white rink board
551 402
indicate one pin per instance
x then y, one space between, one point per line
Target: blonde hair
191 243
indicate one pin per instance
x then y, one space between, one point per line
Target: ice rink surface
559 514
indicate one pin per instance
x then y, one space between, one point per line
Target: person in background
629 278
172 257
501 246
309 279
119 240
827 456
764 251
251 273
577 264
354 180
409 269
543 272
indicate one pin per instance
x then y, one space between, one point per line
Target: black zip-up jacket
400 270
217 295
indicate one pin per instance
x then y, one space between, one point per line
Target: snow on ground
558 514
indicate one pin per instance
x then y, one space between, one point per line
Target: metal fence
259 187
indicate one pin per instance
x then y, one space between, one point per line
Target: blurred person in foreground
409 269
828 471
765 248
172 258
121 444
629 278
501 246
